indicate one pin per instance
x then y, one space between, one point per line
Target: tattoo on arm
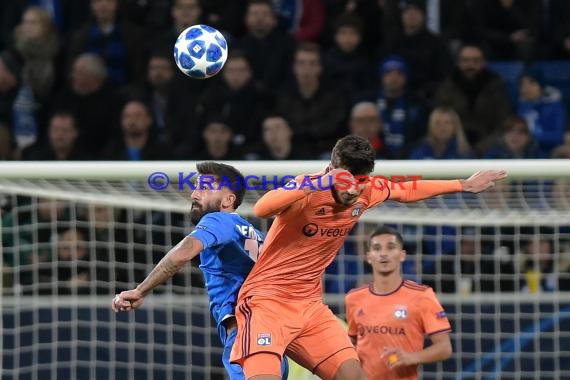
166 268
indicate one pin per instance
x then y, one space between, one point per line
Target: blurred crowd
96 79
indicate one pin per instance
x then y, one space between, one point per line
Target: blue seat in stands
510 71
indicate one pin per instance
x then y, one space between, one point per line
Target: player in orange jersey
389 318
280 307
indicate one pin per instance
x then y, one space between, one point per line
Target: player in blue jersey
228 246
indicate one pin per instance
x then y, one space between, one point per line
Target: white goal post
474 250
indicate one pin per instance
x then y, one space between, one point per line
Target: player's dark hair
354 154
228 173
385 230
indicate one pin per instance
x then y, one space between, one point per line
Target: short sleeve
434 317
214 229
352 329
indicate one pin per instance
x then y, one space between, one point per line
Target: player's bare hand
128 300
482 181
396 357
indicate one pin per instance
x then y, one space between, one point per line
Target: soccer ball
200 51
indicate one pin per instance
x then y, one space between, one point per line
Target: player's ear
228 200
403 255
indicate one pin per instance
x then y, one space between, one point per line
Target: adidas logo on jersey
320 211
360 313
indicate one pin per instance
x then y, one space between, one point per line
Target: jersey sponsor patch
264 339
401 312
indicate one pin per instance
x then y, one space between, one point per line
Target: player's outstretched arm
440 349
413 191
276 201
171 263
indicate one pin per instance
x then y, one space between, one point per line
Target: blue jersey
231 245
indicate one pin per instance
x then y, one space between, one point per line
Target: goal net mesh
499 261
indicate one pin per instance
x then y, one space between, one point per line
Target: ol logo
401 312
263 339
356 210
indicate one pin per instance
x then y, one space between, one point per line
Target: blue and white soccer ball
200 51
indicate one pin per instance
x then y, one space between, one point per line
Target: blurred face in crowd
517 137
71 246
412 19
100 216
347 38
385 254
276 132
50 209
62 132
160 71
218 137
237 73
529 89
471 61
441 126
540 250
84 79
394 82
135 119
365 121
260 19
34 23
307 66
186 13
104 11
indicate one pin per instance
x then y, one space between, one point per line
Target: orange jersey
398 319
310 229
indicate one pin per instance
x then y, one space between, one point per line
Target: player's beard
197 211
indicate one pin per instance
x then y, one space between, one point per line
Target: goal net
74 234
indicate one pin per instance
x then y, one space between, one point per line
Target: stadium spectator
236 97
304 19
508 27
268 49
118 42
473 267
365 122
62 137
538 268
403 113
409 311
70 274
185 13
445 138
27 235
477 94
379 19
542 108
346 63
175 122
218 143
277 141
31 73
515 142
137 142
93 101
315 109
425 53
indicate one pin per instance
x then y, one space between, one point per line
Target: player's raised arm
276 201
171 263
413 191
